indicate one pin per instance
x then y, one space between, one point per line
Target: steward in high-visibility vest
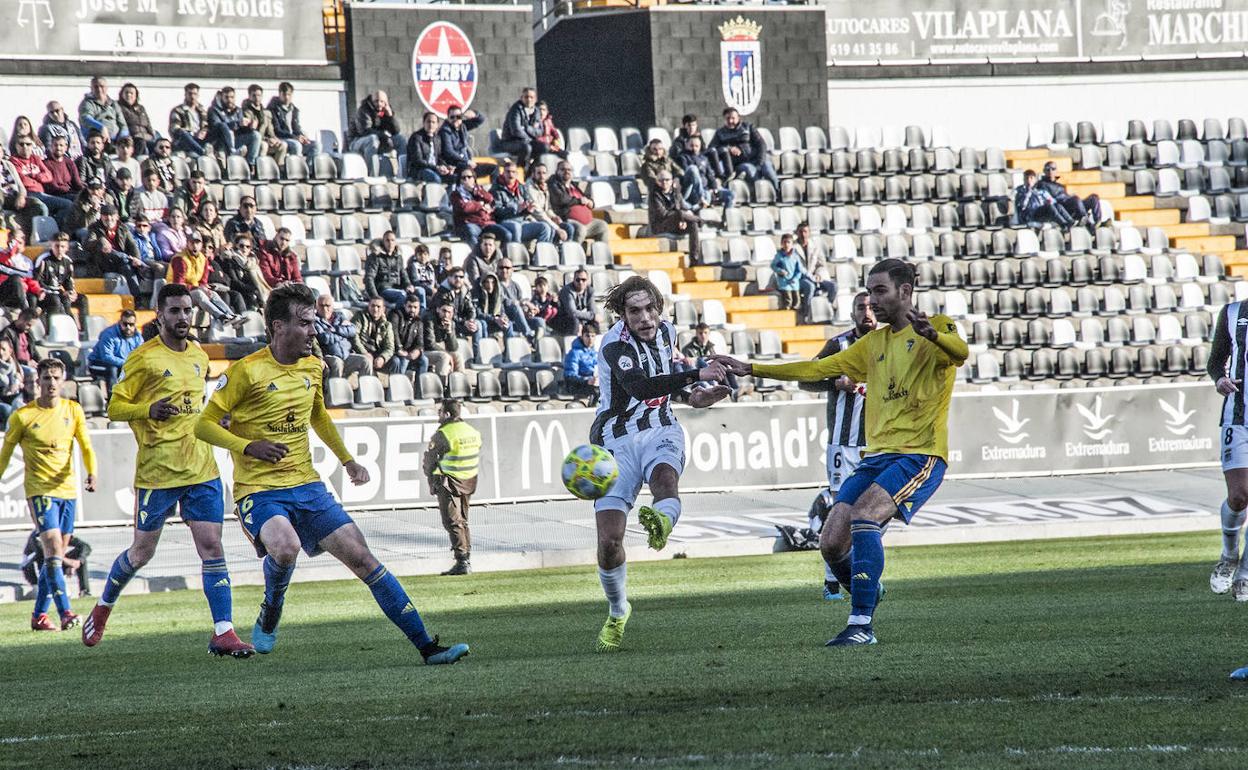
451 463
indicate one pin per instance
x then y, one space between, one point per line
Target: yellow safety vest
463 458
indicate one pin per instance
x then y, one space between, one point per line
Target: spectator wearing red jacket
278 264
34 175
472 209
65 181
18 288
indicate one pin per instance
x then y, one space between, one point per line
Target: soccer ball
589 471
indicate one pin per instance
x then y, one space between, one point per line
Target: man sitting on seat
741 150
522 134
670 214
1035 206
514 209
110 351
1085 212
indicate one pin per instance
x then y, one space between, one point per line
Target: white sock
669 507
828 575
613 581
221 626
1232 521
859 620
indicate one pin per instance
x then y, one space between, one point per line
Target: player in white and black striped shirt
1228 359
637 382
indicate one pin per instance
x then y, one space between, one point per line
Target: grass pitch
1091 653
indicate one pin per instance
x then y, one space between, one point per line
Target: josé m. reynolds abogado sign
907 31
774 444
251 31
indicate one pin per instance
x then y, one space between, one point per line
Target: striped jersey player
635 423
1228 359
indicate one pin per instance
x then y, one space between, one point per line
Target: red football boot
69 620
93 627
42 622
229 644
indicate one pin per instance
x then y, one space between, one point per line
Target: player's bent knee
1237 500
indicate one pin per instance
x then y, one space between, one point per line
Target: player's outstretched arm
801 371
946 337
701 398
208 429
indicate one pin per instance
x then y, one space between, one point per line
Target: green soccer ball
589 471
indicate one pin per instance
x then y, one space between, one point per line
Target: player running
161 393
636 425
1227 359
847 432
46 430
272 397
908 364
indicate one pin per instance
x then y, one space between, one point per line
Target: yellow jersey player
46 430
272 398
909 364
161 393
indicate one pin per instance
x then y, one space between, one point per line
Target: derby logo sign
741 64
444 66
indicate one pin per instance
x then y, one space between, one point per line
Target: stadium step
1036 159
690 274
806 333
1132 203
764 319
216 368
215 350
1205 245
722 290
109 305
1149 218
804 348
637 245
652 260
751 303
1188 230
1103 189
91 285
140 316
1234 258
1081 177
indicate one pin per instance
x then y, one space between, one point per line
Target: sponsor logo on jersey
625 363
221 382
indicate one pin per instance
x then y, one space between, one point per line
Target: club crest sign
444 67
741 64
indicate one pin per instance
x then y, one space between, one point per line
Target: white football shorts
637 455
842 461
1234 440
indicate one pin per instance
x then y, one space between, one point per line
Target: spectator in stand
188 123
34 175
514 209
545 302
572 205
55 273
457 294
580 364
209 223
655 162
670 214
239 269
456 146
13 197
409 336
99 112
522 130
551 136
789 271
681 148
539 192
190 268
487 297
161 161
576 305
1086 211
149 250
125 159
218 281
384 275
441 342
93 163
261 121
699 351
153 200
124 195
86 210
65 181
472 209
230 130
286 122
376 337
1034 206
10 385
741 150
375 129
113 250
335 339
517 307
57 123
483 260
424 153
135 119
171 234
22 340
18 288
245 221
278 263
192 194
422 274
115 344
446 263
22 129
696 162
817 278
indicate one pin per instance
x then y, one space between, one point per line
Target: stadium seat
338 393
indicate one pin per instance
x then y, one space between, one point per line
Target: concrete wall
596 70
380 55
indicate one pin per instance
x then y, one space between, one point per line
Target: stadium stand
1130 301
